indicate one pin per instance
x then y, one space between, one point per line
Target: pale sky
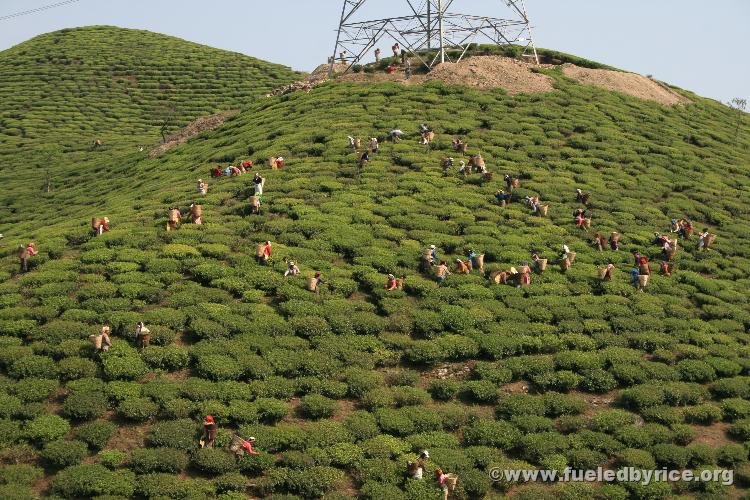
697 45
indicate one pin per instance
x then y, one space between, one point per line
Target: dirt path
199 126
626 83
480 72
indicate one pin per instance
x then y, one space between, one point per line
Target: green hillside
73 86
342 388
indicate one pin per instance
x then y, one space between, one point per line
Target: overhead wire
37 10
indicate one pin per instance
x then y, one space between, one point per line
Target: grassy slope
643 163
60 91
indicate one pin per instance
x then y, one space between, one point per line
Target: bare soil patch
199 126
480 72
626 83
128 437
713 435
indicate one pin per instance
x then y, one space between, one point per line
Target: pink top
247 445
441 479
32 250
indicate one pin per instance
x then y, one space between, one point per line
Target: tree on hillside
739 106
47 156
165 119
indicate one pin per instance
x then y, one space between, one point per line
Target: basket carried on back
571 257
196 210
96 340
543 210
480 261
710 240
643 280
587 222
602 273
541 265
312 284
565 264
174 215
498 277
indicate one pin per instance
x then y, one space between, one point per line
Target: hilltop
342 388
75 85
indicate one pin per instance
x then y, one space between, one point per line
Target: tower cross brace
426 25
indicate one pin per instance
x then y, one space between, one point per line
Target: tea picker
415 470
24 254
240 446
208 434
291 269
101 340
442 271
142 335
264 252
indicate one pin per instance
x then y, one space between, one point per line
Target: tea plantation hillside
343 387
73 86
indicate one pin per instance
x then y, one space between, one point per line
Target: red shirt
267 250
248 446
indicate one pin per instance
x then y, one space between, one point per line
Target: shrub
361 381
671 455
34 389
138 409
735 408
112 459
74 368
731 455
96 433
663 414
701 454
33 366
495 433
482 391
147 460
410 396
271 410
444 389
46 428
20 474
63 453
170 358
163 485
585 458
362 425
640 459
126 367
316 406
693 370
9 405
313 482
521 404
90 480
180 434
597 380
704 414
231 481
85 405
213 461
218 367
610 420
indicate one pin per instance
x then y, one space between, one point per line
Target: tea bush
147 460
258 351
64 453
96 433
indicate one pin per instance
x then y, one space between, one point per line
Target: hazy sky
697 45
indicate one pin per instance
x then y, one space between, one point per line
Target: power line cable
37 10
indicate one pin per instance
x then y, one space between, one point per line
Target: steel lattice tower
428 26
